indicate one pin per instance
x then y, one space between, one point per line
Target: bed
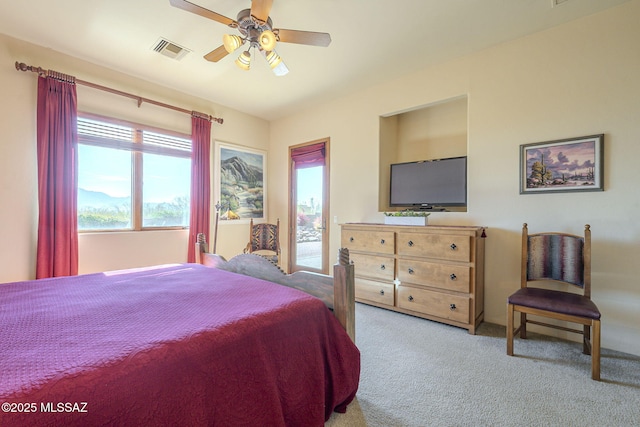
211 343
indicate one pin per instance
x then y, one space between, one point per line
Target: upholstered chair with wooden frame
264 240
564 258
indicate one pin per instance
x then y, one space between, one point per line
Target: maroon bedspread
170 345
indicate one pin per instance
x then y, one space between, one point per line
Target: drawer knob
382 267
381 291
410 298
410 243
382 241
452 276
453 247
410 270
351 239
452 307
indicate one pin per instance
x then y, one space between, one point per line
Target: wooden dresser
434 272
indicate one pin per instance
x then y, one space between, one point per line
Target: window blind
112 135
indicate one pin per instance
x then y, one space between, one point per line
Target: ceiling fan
256 28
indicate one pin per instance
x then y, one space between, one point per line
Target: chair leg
595 351
586 333
523 325
510 329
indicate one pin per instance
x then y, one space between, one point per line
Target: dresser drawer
374 266
433 303
441 246
445 276
378 292
381 242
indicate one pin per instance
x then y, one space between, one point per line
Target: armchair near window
563 258
264 240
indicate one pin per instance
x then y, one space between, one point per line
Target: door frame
293 211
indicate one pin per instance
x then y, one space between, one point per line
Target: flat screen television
430 183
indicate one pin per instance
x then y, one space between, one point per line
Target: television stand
433 272
431 208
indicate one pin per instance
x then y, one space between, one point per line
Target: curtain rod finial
21 66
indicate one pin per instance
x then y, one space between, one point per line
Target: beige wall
18 174
433 132
577 79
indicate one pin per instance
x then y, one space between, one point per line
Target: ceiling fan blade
303 37
217 54
260 9
199 10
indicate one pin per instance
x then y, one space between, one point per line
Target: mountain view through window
130 178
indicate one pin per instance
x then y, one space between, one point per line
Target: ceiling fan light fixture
267 40
231 42
256 27
281 69
273 59
244 60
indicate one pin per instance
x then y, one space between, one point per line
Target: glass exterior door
309 207
310 223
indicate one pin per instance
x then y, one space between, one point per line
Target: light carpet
421 373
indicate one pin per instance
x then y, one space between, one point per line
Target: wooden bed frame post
344 293
201 247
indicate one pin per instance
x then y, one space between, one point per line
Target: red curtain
308 155
57 147
200 181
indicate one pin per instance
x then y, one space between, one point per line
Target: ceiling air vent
170 49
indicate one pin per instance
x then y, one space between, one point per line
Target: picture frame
564 165
240 175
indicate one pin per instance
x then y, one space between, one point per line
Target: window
131 177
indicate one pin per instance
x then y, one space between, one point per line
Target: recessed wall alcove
433 131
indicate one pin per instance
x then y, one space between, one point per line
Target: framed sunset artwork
565 165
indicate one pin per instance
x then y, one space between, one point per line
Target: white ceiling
372 41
